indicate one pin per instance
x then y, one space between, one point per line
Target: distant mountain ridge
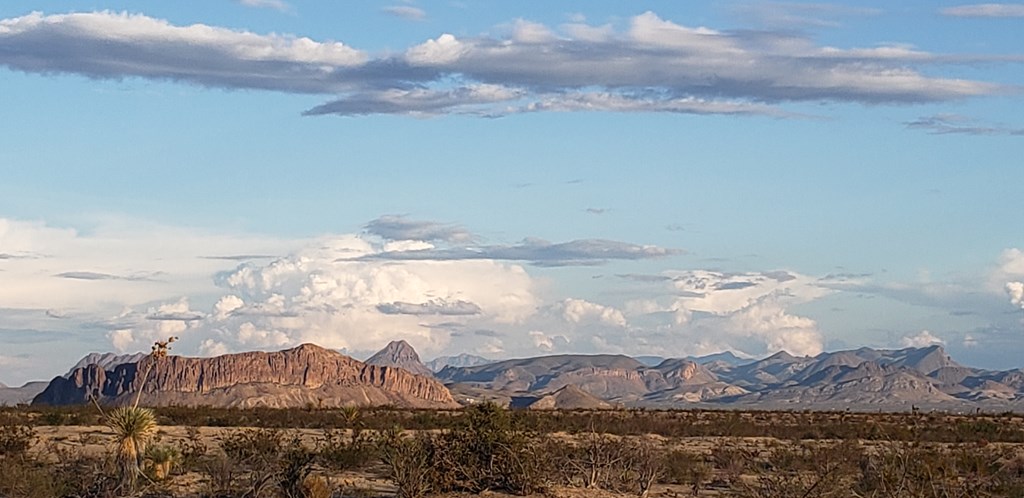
12 396
864 378
400 354
861 379
459 360
301 376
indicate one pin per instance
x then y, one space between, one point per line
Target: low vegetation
487 449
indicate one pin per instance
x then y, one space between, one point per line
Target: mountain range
861 379
307 375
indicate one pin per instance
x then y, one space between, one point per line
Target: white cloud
443 50
655 65
725 293
320 294
1016 292
524 31
780 330
578 310
130 263
1011 262
985 10
923 339
970 341
547 343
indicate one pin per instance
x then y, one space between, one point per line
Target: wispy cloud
267 4
585 252
90 275
432 307
407 12
393 227
653 65
985 10
947 124
799 15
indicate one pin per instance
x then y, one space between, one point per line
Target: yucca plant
162 460
133 426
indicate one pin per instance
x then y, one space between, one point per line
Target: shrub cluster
486 448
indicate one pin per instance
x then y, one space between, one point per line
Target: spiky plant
162 460
133 428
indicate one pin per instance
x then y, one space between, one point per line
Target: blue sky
504 179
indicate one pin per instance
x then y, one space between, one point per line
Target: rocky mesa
301 376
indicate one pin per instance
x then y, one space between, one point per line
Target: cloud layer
653 65
986 10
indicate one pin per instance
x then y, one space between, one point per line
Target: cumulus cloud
654 65
746 312
721 293
547 343
947 124
579 310
407 12
922 339
328 294
985 10
1011 263
393 227
1016 292
780 330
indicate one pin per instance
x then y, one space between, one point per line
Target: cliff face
304 374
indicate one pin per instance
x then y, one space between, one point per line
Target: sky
510 179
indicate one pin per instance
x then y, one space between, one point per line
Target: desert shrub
487 451
336 452
594 460
78 475
803 469
191 450
484 451
409 463
251 446
264 461
316 487
24 478
685 468
222 476
15 440
295 465
732 460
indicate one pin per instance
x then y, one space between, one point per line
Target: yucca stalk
135 427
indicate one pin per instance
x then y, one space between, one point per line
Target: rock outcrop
300 376
108 361
569 397
400 354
